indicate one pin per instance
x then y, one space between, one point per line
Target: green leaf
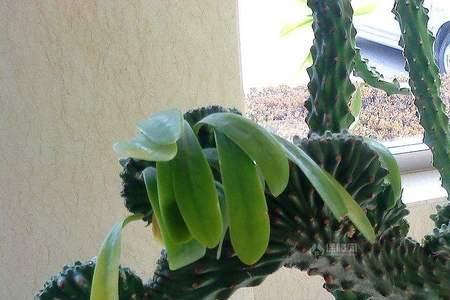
105 283
245 200
212 157
223 209
307 61
289 28
163 128
142 148
195 191
170 211
330 190
178 255
388 162
257 143
365 9
355 106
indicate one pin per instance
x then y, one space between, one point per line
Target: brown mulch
281 110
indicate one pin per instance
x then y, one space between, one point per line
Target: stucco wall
75 76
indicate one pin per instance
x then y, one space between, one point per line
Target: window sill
421 182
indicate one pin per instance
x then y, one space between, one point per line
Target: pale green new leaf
306 22
105 283
356 106
257 143
365 9
164 127
142 148
178 255
330 190
307 61
388 162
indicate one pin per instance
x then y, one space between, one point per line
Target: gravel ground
281 110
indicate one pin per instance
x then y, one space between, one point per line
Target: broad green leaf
355 106
195 191
388 162
142 148
257 143
105 283
289 28
365 9
178 255
330 190
163 128
170 211
246 204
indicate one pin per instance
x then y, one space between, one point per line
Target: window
275 84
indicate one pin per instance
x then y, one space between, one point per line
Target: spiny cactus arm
375 79
333 54
425 82
393 268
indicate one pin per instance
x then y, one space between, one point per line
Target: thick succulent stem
302 228
425 82
375 79
333 54
305 235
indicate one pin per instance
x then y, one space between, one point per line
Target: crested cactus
306 232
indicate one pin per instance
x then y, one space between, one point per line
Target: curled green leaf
257 143
105 283
245 200
178 254
195 191
163 128
170 211
142 148
388 161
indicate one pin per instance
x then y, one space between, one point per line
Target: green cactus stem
425 82
333 53
375 79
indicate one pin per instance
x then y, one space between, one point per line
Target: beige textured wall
75 76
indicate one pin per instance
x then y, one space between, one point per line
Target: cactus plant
331 201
